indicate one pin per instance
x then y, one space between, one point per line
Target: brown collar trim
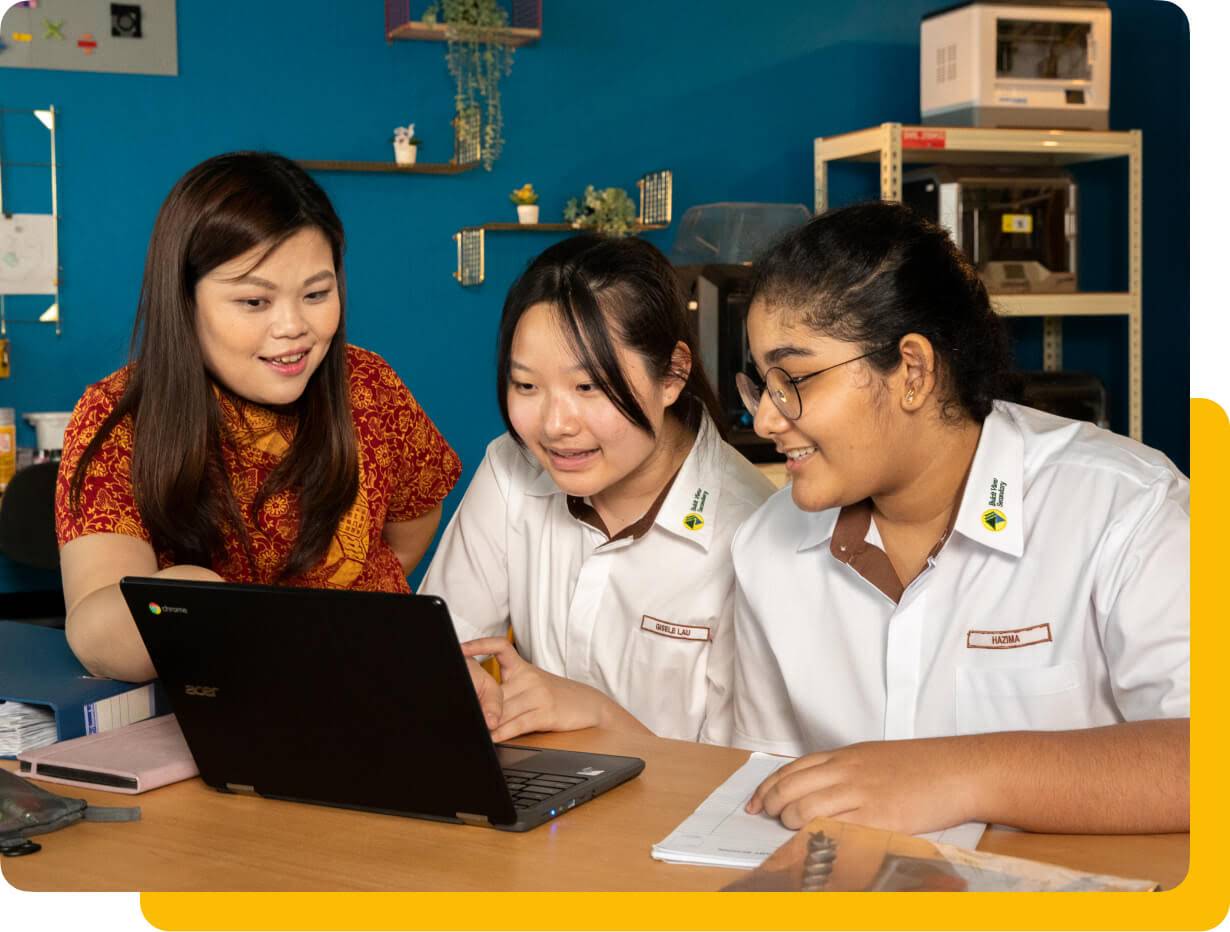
587 514
952 522
849 545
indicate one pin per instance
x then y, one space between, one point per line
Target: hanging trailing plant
478 57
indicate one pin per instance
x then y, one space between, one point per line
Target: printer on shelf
1028 63
1016 224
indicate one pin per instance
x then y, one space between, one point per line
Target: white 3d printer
1027 63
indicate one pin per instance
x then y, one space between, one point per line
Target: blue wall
725 97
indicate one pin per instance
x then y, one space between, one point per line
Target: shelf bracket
471 256
655 198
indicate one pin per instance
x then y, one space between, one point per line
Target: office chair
28 537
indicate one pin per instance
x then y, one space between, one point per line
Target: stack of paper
25 727
720 833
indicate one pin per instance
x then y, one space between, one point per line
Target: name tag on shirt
667 629
1017 637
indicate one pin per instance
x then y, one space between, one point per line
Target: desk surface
193 838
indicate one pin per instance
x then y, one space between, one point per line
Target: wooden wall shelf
553 227
403 21
437 32
418 168
656 197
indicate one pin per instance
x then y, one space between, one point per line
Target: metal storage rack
895 144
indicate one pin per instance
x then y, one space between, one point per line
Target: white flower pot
404 153
527 213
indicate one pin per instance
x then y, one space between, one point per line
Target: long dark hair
605 290
871 273
221 209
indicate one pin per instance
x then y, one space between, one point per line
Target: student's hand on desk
490 694
904 786
535 700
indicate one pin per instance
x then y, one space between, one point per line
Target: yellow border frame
1200 902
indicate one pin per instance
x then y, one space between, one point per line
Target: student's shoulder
511 462
778 522
744 487
1081 450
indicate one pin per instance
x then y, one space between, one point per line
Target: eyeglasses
784 388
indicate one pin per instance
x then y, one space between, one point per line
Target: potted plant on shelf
405 145
609 211
526 199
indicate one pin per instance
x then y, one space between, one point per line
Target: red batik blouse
405 469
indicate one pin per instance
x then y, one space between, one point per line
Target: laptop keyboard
528 789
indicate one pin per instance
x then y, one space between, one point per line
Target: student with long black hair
245 441
599 526
962 608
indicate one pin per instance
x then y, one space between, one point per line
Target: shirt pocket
666 670
1016 698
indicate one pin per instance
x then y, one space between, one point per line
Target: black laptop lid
351 698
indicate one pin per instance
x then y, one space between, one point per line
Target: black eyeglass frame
758 385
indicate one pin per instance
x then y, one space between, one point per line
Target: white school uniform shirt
1058 600
645 617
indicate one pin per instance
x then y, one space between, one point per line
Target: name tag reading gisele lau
671 630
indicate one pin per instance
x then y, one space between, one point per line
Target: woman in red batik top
245 442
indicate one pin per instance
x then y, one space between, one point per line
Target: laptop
353 699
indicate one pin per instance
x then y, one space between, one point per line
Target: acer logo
209 692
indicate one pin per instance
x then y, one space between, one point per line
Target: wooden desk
193 838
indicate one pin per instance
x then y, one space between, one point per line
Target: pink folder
131 759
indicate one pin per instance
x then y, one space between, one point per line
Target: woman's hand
903 786
535 700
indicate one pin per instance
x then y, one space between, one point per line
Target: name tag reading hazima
1017 637
667 629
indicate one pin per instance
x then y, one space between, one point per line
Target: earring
909 396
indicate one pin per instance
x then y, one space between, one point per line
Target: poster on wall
89 35
27 254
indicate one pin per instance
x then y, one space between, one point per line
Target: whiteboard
28 260
91 35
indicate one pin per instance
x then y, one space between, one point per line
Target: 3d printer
1017 225
1017 64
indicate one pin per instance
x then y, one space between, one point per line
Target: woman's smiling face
265 324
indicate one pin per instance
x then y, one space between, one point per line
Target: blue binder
37 667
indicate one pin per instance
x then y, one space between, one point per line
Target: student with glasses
598 527
961 608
